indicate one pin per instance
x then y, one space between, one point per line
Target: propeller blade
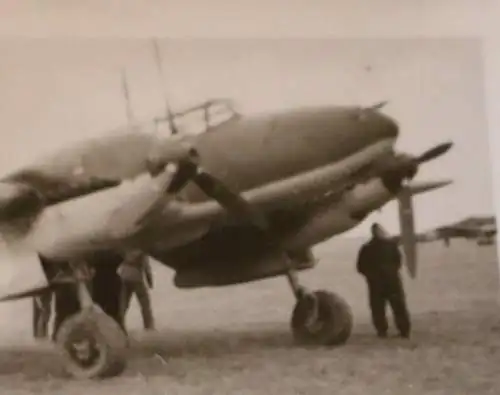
407 225
228 199
435 152
188 169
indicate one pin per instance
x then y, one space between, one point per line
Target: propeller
189 170
404 171
407 228
405 167
228 199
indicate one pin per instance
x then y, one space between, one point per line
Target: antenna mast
128 108
159 64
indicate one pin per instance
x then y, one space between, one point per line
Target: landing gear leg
320 317
91 342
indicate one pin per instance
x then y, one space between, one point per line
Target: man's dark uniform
64 296
106 283
379 260
66 299
42 303
105 288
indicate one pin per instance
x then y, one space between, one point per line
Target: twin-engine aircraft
245 200
482 229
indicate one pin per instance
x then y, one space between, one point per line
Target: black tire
333 323
106 355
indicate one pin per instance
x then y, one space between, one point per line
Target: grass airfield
237 339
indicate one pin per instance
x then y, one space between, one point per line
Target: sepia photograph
246 215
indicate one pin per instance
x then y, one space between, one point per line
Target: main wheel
92 344
321 318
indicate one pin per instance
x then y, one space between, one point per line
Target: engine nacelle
18 200
367 197
343 215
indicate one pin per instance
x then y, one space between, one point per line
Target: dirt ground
237 339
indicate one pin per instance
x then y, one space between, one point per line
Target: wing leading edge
293 194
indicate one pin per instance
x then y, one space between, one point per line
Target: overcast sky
55 91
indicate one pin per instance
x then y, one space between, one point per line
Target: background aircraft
482 229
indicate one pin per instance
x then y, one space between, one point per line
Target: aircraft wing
281 205
463 231
147 213
28 192
151 204
422 237
20 272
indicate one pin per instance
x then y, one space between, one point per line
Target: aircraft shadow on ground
32 363
149 354
216 342
164 346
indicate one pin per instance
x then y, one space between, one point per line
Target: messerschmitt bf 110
246 199
482 229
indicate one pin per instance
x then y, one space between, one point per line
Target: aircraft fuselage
245 153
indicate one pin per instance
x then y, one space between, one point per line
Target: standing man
42 306
136 276
106 283
65 298
379 261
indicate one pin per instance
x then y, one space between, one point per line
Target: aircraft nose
320 135
353 129
379 125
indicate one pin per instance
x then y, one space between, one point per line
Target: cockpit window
219 112
200 118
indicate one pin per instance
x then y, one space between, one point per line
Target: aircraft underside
232 255
235 255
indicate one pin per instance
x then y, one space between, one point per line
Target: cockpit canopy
200 118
